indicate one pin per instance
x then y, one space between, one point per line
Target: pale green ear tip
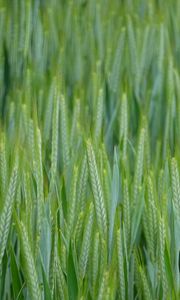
150 175
173 160
78 101
16 165
21 224
97 235
106 274
88 142
91 206
118 231
81 214
100 91
140 189
24 106
140 268
124 96
98 62
62 97
75 170
143 130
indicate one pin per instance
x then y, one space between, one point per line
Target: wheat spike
40 189
3 164
175 186
146 289
152 217
95 260
64 132
82 184
61 283
161 255
99 115
120 264
72 202
30 272
5 217
139 164
127 212
97 191
78 228
86 242
103 287
124 124
55 127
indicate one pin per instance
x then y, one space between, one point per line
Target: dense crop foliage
89 149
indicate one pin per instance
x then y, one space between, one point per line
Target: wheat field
89 149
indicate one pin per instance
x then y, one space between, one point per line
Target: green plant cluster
89 149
